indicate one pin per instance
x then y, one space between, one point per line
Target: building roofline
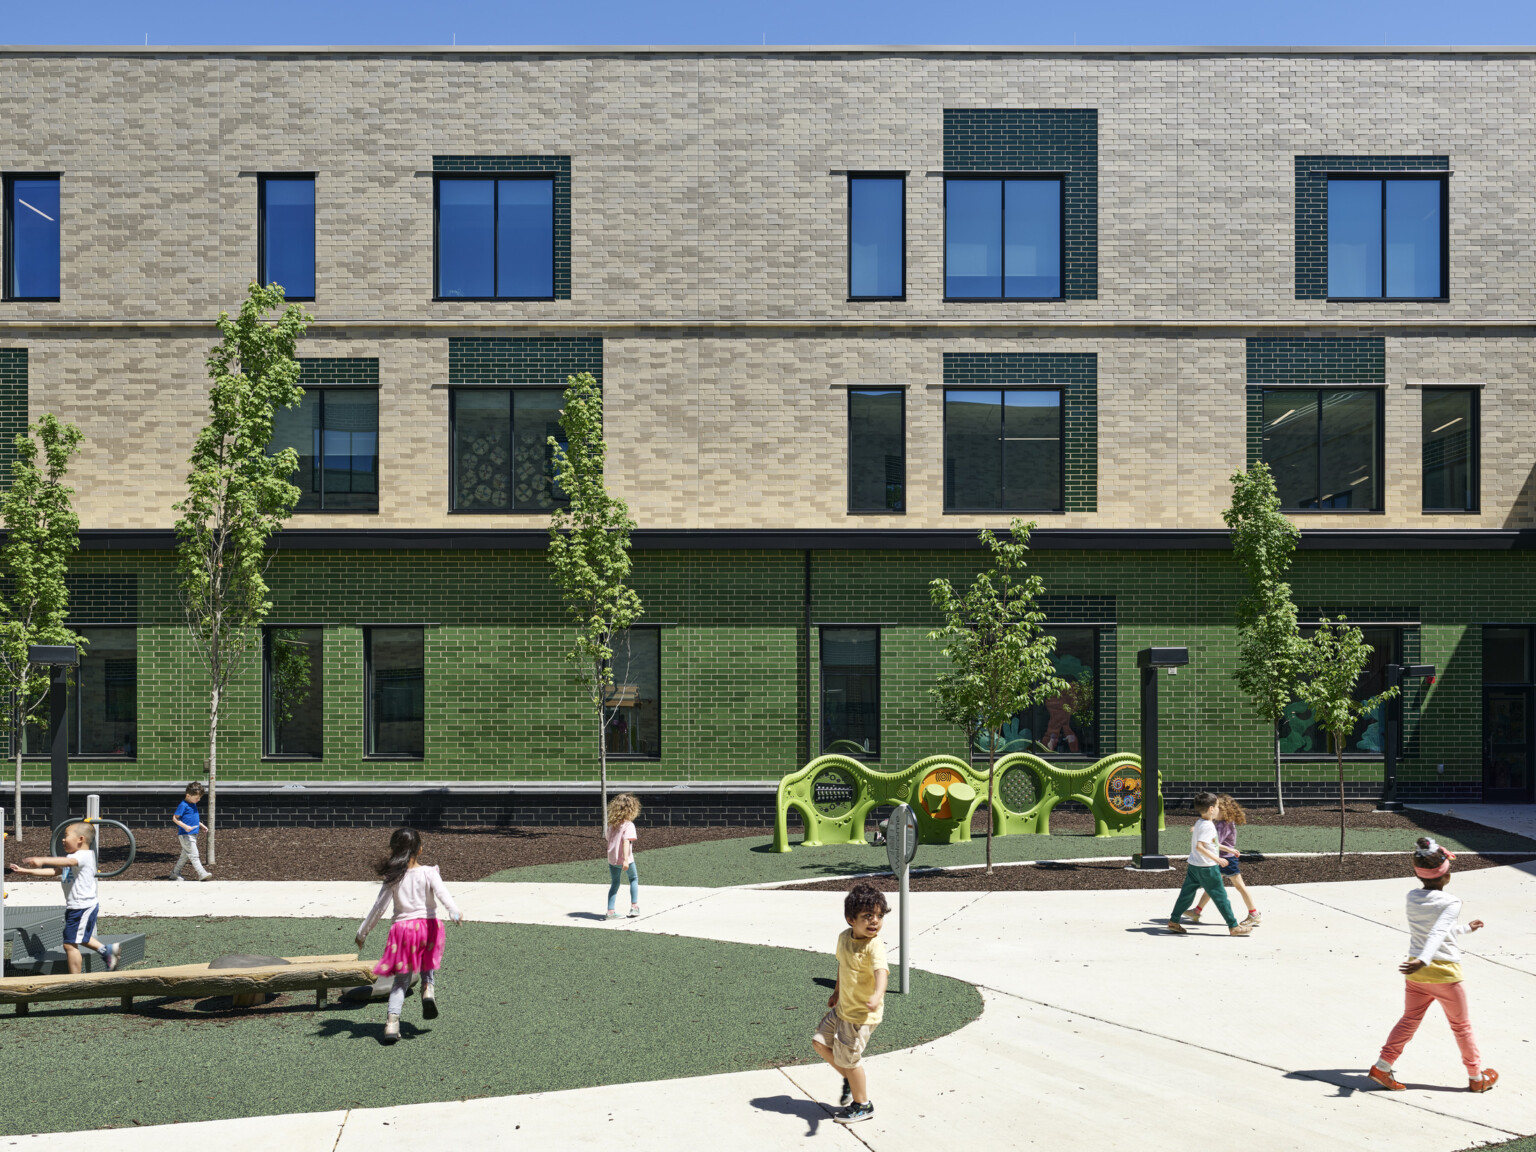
463 50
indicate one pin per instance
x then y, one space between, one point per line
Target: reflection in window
635 697
32 238
1066 725
1386 232
496 238
1002 449
850 691
502 461
294 692
876 246
396 691
1002 239
877 462
1323 446
1300 734
1450 450
335 431
287 226
102 704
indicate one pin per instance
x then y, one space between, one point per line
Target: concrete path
1099 1030
1517 818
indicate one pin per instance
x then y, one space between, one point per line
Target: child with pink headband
1434 971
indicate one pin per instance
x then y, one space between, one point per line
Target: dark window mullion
1317 484
496 237
1002 250
1383 239
319 465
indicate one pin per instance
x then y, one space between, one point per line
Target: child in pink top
622 810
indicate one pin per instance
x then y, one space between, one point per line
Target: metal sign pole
2 891
59 742
900 848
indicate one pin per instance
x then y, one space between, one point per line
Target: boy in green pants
1204 870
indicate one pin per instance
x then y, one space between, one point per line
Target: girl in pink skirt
416 937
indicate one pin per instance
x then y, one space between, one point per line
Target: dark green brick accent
1255 425
103 597
13 407
315 371
1312 209
561 167
523 359
1040 140
1317 360
1078 373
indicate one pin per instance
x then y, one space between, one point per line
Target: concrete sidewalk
1100 1031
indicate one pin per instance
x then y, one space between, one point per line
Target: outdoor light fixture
1149 660
60 658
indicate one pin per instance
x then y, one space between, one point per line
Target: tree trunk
991 793
1338 747
1279 795
602 764
16 738
213 778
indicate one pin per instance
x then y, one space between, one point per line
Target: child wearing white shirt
1204 870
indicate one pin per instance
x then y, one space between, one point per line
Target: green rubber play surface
749 860
525 1008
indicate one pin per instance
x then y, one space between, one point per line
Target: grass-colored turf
525 1009
1520 1144
750 860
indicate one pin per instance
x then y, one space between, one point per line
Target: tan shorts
847 1040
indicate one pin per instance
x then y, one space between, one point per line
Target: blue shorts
80 924
1229 866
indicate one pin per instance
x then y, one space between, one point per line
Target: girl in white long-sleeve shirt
416 936
1433 970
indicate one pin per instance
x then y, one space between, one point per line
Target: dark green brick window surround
1077 374
559 166
504 360
362 371
1312 208
13 407
354 488
1024 140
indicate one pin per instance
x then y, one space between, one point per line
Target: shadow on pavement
808 1110
1351 1080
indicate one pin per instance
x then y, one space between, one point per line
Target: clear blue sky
777 22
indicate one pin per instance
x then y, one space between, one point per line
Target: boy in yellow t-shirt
858 1000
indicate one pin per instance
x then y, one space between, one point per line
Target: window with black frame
1450 438
877 237
1299 733
1387 237
102 705
1509 714
293 684
1002 238
501 460
1065 725
335 431
32 235
394 666
1003 450
635 697
496 237
877 450
286 234
1324 447
850 691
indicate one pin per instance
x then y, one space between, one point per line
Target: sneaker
206 876
612 915
1485 1081
1240 930
113 951
856 1112
392 1030
845 1098
1253 920
1192 916
634 910
173 876
1384 1077
1177 929
429 1003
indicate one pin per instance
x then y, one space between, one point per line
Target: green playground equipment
835 793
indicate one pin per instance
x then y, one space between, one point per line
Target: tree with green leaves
1269 645
589 554
238 495
42 532
1333 660
1000 659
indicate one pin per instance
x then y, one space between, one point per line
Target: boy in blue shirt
188 825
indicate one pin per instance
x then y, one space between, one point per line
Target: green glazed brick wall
1078 373
1062 140
523 359
1307 360
315 371
1312 209
561 167
13 407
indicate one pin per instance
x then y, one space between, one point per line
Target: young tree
41 533
1333 658
237 497
1000 660
1268 639
589 552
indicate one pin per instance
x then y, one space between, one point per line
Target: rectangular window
877 453
1324 447
1450 450
286 234
1002 238
850 691
502 461
1300 734
877 226
395 671
336 434
293 692
1066 725
1387 238
1509 726
101 706
635 729
496 237
1002 449
31 237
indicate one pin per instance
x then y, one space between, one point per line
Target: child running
415 941
76 870
622 810
188 825
857 1001
1434 970
1204 870
1229 814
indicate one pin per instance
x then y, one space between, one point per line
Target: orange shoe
1484 1082
1385 1078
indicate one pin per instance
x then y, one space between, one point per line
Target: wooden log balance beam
188 981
